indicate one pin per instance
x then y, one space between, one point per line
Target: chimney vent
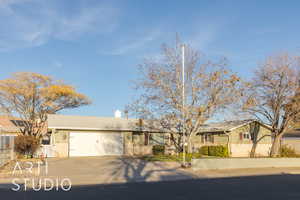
118 114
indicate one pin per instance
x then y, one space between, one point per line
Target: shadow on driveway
137 170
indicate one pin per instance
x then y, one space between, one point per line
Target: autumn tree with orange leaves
31 96
209 88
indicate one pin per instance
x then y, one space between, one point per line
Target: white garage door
96 144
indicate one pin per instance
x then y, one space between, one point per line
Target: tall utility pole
183 111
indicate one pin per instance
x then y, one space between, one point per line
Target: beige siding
137 145
60 143
238 147
61 137
263 134
242 148
219 139
293 143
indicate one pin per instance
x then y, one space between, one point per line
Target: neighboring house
8 130
239 136
292 139
70 136
10 127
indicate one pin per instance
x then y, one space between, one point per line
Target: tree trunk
254 134
253 149
176 142
275 146
189 147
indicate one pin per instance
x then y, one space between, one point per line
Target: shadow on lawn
253 187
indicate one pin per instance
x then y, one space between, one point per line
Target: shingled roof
9 124
109 123
91 123
224 126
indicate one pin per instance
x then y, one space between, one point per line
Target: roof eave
99 129
246 123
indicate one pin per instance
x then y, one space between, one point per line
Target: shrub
26 145
221 151
287 151
212 151
158 149
203 150
218 151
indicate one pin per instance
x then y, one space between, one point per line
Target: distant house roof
110 123
10 124
227 126
91 123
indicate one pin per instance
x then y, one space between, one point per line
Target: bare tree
272 95
209 88
31 96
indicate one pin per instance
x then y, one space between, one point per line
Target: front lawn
170 158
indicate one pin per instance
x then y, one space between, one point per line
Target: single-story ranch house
70 136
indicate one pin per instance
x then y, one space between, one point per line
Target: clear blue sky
96 45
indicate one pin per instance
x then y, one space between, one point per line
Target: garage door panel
110 144
96 144
79 145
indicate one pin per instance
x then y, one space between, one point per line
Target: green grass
178 158
162 158
170 158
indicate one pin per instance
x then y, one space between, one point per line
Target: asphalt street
271 187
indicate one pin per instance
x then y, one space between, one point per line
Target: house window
147 138
156 139
207 138
6 142
245 136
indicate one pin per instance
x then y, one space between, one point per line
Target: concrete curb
243 163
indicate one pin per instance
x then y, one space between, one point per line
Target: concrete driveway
107 170
99 170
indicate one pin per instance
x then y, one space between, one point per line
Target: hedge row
158 150
218 151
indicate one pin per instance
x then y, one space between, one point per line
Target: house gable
255 129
